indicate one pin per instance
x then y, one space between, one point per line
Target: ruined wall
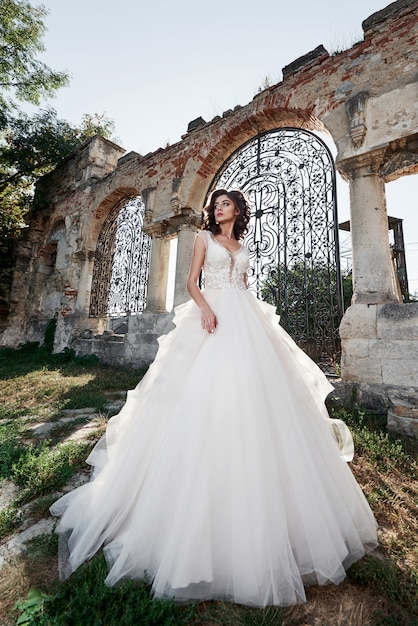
365 97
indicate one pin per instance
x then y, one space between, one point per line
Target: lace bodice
223 269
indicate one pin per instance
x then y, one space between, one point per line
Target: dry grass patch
36 569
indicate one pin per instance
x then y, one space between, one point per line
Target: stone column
185 241
373 273
362 358
158 275
86 260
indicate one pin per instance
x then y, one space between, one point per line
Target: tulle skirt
220 478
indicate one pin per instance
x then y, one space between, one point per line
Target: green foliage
84 599
347 289
10 518
298 286
306 298
42 546
30 147
11 448
385 450
33 146
40 470
32 608
22 75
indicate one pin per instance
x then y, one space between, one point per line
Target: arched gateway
289 177
121 262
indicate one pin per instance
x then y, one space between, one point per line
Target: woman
220 478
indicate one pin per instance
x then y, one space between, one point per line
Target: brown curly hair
241 203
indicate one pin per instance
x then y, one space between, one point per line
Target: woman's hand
208 319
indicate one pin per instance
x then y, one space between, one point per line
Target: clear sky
153 66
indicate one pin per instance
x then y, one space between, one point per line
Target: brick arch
231 136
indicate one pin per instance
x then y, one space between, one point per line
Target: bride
220 478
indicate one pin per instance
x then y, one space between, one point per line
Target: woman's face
225 210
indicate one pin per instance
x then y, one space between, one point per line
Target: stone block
398 321
402 372
402 408
141 354
402 425
357 362
157 323
359 321
393 350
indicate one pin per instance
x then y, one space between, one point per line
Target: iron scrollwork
289 177
121 264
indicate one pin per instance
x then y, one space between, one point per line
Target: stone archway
288 176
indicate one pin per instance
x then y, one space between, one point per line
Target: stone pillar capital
360 165
84 255
190 219
157 230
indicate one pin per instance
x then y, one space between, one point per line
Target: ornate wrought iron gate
121 262
289 177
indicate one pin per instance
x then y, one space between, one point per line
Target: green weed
10 519
40 507
41 470
84 599
11 448
383 449
42 546
31 608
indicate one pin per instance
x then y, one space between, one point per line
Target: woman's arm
208 317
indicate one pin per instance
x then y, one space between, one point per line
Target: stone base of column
380 344
135 348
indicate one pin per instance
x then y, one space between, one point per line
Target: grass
10 519
41 470
35 386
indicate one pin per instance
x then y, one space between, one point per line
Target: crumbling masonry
366 98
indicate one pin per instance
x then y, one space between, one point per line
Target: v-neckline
231 252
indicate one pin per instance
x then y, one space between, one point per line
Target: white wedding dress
220 478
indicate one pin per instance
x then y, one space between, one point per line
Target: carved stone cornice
157 229
169 225
84 255
400 163
365 164
189 218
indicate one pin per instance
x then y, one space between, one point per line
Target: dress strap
203 234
